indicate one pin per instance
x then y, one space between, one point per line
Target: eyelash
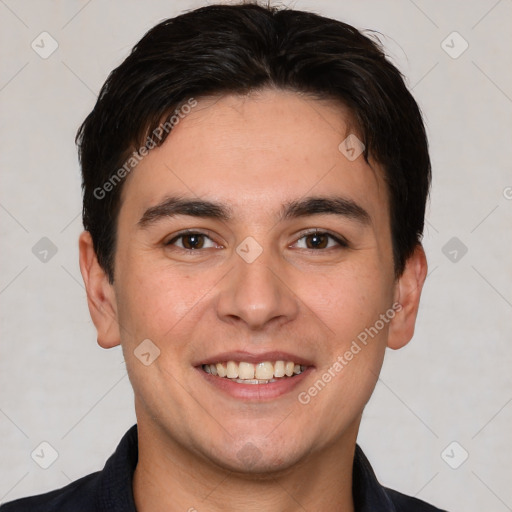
339 240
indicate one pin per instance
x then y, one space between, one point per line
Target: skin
251 153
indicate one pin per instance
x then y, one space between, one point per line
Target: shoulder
103 491
371 496
405 503
78 496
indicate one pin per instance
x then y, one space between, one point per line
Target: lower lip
256 392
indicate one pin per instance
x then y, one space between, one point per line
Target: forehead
256 150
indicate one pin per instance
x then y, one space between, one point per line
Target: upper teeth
247 371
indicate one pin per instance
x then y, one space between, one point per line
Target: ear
100 294
407 294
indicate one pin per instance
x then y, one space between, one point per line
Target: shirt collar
115 492
369 495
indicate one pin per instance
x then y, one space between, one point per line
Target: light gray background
452 383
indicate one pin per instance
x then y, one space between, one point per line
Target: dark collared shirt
110 490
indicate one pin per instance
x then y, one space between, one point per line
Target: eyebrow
174 206
339 206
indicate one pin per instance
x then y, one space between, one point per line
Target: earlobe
100 294
407 294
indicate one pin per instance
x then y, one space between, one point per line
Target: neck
169 477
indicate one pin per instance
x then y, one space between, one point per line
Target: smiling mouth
264 372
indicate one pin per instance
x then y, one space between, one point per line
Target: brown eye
317 240
191 241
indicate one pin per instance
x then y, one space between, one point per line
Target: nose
257 294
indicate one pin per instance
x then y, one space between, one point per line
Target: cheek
157 300
351 298
354 349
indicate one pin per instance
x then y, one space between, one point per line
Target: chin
257 459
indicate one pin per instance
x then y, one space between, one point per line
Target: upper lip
252 357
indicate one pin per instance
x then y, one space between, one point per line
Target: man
254 193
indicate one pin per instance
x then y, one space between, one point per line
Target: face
249 244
